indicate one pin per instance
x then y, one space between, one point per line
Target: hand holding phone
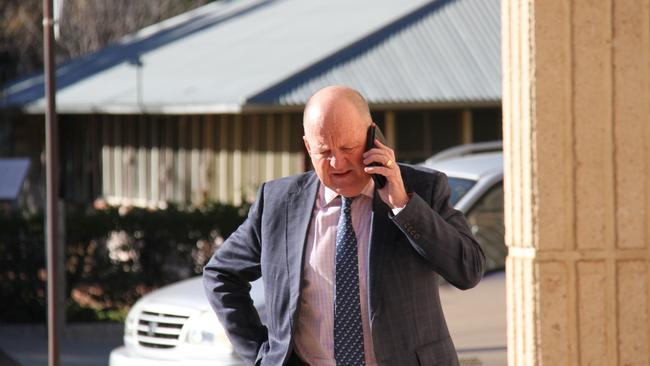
375 133
394 195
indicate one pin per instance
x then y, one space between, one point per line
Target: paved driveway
477 321
82 345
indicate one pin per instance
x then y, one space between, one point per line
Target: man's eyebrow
351 146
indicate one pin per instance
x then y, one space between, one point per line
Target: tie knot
346 202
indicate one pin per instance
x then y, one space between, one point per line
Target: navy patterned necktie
348 333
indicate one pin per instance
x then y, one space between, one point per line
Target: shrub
112 257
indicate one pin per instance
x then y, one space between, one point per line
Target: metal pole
52 182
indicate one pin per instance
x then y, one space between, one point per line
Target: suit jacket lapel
300 205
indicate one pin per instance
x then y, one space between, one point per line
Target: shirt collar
329 195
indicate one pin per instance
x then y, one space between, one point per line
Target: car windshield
459 187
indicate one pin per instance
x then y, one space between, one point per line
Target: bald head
333 101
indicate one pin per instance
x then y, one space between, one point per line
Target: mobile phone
375 133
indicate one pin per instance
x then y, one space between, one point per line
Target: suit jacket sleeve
227 278
441 236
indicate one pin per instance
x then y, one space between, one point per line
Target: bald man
350 270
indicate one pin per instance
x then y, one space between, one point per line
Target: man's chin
351 189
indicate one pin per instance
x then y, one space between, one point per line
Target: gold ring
389 163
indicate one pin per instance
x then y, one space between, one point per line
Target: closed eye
322 153
347 149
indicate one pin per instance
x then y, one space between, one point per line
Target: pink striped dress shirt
314 337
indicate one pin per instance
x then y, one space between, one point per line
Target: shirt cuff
397 210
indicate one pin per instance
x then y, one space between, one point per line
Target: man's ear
304 139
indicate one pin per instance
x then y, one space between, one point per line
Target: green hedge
111 257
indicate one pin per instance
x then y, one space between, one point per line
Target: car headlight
206 329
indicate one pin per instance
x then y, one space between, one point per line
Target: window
486 124
486 222
459 187
420 134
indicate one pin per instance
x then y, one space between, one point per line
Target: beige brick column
576 107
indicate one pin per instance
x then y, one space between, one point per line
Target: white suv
176 326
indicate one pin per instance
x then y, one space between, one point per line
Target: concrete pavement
84 344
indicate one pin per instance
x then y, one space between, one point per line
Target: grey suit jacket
407 251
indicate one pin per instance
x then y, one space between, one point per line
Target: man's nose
336 161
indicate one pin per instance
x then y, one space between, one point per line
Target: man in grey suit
350 270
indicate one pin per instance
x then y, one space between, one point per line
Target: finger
381 170
373 151
382 146
374 158
380 158
385 148
382 151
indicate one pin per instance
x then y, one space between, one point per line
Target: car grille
158 330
